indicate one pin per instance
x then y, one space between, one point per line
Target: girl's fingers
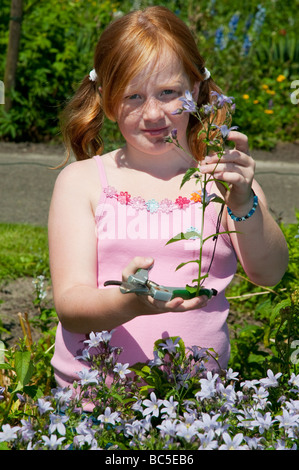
240 140
178 304
139 262
231 156
233 164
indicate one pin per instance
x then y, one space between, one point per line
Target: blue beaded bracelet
250 213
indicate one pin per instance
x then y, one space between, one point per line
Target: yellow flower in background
246 97
265 87
269 111
270 92
255 101
281 78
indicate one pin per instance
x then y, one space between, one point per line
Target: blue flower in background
233 24
248 22
259 19
220 42
246 45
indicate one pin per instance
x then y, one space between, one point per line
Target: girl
114 213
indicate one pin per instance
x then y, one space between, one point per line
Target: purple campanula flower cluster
199 409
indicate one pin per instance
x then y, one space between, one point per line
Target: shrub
245 46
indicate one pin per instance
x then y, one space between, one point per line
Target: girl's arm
260 244
80 305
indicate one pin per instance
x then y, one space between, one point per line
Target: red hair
124 49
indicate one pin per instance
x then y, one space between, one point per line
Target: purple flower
43 406
53 441
152 405
271 380
26 430
2 390
187 431
88 376
189 106
232 443
156 361
122 369
221 99
174 133
57 424
170 345
208 109
108 417
8 433
94 340
167 428
225 130
62 395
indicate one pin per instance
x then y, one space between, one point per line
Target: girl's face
145 115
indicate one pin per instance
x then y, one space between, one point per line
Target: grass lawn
23 251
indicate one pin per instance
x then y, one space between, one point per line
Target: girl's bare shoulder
81 179
77 179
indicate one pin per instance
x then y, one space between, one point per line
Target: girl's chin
156 146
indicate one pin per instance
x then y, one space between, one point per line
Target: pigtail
82 120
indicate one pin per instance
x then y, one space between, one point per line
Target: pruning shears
140 284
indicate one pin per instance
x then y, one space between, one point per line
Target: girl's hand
151 306
236 168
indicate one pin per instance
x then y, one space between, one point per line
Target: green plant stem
203 192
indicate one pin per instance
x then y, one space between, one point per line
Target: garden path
27 180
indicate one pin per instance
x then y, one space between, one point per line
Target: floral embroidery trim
152 206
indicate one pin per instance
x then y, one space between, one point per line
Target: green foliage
265 331
244 47
56 52
23 251
254 44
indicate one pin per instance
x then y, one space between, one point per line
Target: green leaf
205 276
4 446
23 367
33 391
191 289
218 199
188 175
141 369
182 236
220 233
226 185
187 262
5 366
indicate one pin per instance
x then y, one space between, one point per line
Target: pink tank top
127 227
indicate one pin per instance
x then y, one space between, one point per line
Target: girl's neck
164 166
